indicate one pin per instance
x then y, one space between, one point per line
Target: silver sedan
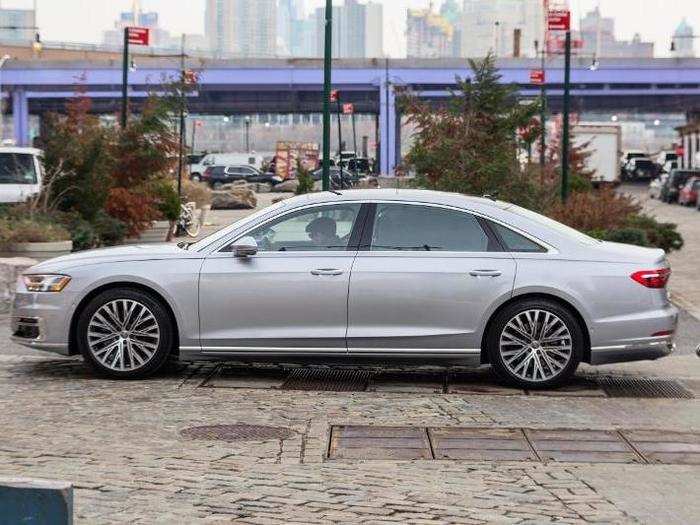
362 274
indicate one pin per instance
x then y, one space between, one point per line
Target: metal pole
543 114
183 101
125 79
194 130
340 131
247 134
565 123
326 180
354 139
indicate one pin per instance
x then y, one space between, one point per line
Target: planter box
156 233
40 250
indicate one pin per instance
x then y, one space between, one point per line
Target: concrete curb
35 501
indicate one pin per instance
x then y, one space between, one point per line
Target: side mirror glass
244 247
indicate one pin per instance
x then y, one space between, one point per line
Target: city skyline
58 23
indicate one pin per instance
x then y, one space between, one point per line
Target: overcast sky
84 20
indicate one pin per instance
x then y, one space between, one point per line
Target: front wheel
535 344
125 334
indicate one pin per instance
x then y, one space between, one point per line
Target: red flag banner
139 36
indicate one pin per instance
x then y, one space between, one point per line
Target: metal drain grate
327 380
644 387
236 433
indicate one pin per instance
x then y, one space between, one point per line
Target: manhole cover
327 379
620 386
236 433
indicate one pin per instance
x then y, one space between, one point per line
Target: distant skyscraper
159 38
23 19
242 28
357 30
428 34
597 34
683 40
489 25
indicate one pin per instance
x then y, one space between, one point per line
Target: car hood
136 252
618 252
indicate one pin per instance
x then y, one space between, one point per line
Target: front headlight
45 283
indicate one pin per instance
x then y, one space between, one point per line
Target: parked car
224 159
340 178
656 184
672 187
21 173
689 192
640 168
435 276
631 154
217 176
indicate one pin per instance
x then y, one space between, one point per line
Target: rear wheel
125 334
196 177
535 343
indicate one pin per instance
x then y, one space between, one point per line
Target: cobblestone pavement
119 443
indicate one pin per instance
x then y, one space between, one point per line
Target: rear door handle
485 273
326 271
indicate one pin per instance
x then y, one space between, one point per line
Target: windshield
209 239
560 228
17 168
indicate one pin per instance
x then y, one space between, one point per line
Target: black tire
196 178
165 326
509 312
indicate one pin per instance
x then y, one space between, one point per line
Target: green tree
470 144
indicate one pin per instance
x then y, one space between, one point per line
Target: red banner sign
537 76
190 77
348 109
334 95
139 36
559 20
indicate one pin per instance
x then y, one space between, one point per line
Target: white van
224 159
21 173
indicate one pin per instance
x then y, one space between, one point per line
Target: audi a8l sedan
359 274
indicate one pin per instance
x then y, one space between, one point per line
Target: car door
292 295
423 281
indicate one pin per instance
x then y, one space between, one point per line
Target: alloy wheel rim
123 335
536 345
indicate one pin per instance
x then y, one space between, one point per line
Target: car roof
406 195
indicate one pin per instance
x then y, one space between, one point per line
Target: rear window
17 168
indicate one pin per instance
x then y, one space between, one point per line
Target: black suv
217 176
673 184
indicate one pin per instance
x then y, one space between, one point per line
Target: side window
514 242
323 228
409 227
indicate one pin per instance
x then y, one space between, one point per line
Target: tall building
22 19
490 25
357 30
159 37
428 34
597 35
303 38
242 28
683 40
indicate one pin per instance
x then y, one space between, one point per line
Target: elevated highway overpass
295 86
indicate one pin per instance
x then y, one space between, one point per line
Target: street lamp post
326 96
247 133
565 116
4 59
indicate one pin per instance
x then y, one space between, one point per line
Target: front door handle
485 273
326 271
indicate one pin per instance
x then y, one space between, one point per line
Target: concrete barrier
35 502
10 269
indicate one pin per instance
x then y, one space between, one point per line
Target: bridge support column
387 129
20 117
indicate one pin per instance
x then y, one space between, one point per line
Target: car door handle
485 273
326 271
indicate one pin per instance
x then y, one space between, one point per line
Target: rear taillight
652 278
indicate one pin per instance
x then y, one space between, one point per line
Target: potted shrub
34 238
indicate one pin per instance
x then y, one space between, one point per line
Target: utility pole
340 130
247 133
543 109
183 101
328 48
565 123
125 79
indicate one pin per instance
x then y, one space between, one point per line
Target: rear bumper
654 348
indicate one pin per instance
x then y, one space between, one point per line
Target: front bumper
41 320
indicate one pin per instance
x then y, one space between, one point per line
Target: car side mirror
244 247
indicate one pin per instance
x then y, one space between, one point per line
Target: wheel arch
539 295
121 284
